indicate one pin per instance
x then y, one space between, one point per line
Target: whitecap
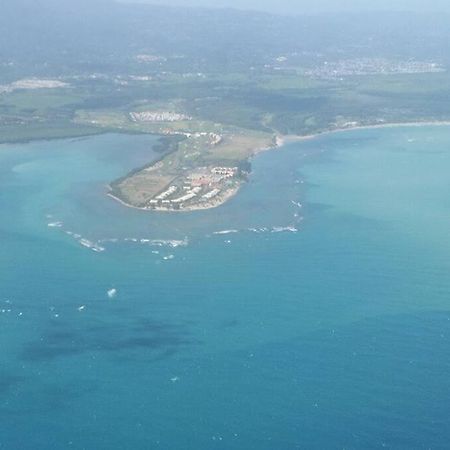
55 224
226 232
282 229
170 242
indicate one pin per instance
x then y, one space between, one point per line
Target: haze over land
307 6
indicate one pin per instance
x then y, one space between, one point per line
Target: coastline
227 195
296 138
280 141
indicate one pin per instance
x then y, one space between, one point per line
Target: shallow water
335 336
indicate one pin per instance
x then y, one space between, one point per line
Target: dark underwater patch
8 382
63 339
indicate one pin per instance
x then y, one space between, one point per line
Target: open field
285 103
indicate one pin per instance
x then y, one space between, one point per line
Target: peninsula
198 169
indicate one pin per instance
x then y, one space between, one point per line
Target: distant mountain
66 35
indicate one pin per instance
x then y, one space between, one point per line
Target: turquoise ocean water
335 336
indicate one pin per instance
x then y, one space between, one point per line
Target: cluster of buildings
371 66
140 78
143 58
202 186
158 116
211 176
32 83
167 199
167 193
225 172
216 139
211 194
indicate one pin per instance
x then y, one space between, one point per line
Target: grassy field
285 103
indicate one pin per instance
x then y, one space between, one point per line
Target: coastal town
158 116
331 69
32 84
371 66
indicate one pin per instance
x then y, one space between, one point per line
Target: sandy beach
213 203
295 138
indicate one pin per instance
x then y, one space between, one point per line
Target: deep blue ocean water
336 336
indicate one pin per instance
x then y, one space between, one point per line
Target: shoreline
280 141
227 195
296 138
